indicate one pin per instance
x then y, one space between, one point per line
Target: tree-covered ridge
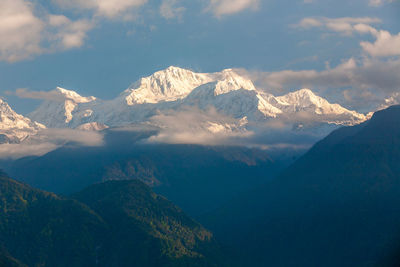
7 260
125 225
131 207
42 229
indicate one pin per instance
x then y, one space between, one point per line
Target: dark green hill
123 224
168 236
338 205
42 229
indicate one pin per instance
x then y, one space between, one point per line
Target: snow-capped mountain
167 85
58 112
178 89
14 127
304 101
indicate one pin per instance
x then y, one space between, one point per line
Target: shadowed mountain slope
338 205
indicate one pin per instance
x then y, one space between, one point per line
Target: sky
346 51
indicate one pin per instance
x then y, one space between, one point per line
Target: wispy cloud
44 95
358 77
228 7
345 25
16 151
62 136
377 3
47 140
170 9
107 8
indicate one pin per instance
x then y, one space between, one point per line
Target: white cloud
229 7
105 8
170 10
385 45
193 126
68 34
20 30
23 34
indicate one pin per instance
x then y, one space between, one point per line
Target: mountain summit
170 84
57 112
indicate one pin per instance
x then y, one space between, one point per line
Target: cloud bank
48 140
194 126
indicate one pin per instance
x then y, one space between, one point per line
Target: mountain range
174 88
236 106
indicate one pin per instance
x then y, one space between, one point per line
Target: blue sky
99 47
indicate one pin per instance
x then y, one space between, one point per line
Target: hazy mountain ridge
182 173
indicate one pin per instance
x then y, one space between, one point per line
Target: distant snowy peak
305 100
170 84
74 96
176 83
59 112
228 80
72 99
15 127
